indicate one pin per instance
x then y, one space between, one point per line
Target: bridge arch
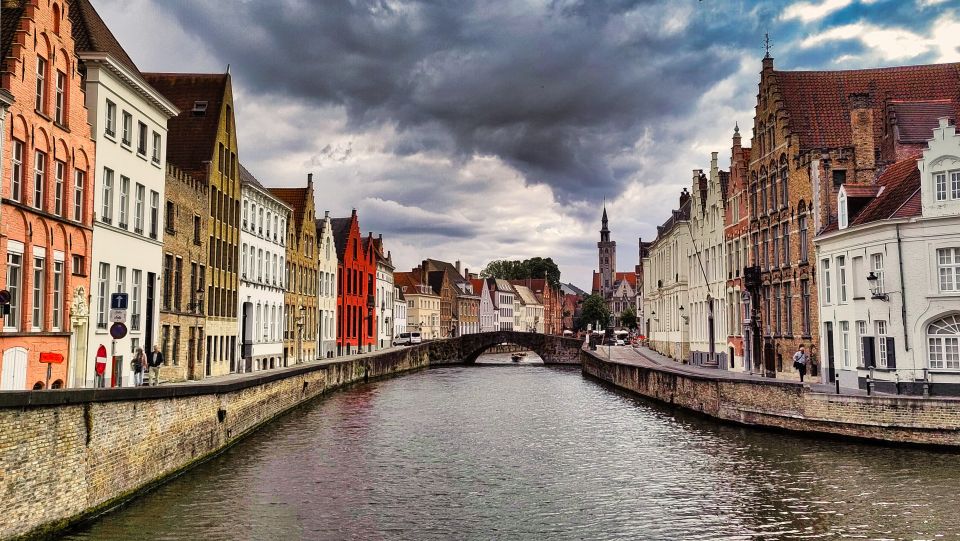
552 349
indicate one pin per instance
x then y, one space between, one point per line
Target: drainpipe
903 292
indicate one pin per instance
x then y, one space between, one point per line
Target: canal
522 451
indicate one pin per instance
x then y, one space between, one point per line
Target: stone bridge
552 349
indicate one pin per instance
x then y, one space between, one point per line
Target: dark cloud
553 91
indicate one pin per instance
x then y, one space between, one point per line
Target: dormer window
940 185
842 212
199 108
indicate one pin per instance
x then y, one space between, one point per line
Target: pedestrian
800 360
139 365
156 361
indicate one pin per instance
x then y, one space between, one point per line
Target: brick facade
356 301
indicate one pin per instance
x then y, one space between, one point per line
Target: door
13 373
151 289
831 371
769 360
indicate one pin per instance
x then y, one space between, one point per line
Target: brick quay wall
789 406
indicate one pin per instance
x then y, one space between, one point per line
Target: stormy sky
479 130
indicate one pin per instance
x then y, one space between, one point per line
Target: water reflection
531 452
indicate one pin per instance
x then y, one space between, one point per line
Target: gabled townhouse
202 144
356 299
665 283
47 231
423 304
327 289
262 294
487 313
890 274
736 220
531 318
454 288
128 119
300 298
503 297
399 312
384 291
707 268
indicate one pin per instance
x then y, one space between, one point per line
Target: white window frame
880 327
78 180
106 207
876 266
110 120
14 284
16 182
841 279
124 219
845 343
39 177
842 210
38 291
825 273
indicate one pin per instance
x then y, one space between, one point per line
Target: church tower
607 251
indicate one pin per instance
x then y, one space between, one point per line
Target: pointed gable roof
818 102
246 177
297 199
192 137
91 34
899 195
341 234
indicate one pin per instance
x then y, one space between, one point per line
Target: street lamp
875 292
300 322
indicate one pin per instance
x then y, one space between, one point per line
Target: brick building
300 299
203 144
736 221
356 301
815 131
183 285
46 231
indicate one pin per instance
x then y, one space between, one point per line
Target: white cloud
808 12
888 43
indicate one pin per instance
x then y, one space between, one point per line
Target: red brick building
356 288
47 208
736 221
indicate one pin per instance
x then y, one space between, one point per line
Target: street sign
118 301
118 316
50 357
118 330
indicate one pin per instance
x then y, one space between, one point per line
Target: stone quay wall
788 405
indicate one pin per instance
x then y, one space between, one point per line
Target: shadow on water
529 453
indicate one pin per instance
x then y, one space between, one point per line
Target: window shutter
891 353
869 353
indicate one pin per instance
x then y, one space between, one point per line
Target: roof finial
767 44
736 127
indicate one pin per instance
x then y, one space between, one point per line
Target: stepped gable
819 106
91 34
341 232
191 135
295 198
8 27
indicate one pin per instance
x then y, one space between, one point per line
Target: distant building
503 295
327 289
356 297
487 315
736 232
384 289
532 316
618 289
423 305
399 312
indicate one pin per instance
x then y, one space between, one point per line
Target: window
141 138
861 332
783 181
940 182
268 225
804 251
881 328
135 300
78 179
178 283
39 173
196 230
785 231
138 211
776 246
106 214
876 265
126 135
58 115
948 266
805 305
245 214
825 265
955 184
842 278
169 215
14 283
124 201
788 308
943 339
845 343
156 148
842 209
59 169
103 289
154 213
167 280
17 173
779 312
110 122
57 295
78 267
41 84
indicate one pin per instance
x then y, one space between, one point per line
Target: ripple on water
527 452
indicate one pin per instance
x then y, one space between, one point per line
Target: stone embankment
67 455
787 405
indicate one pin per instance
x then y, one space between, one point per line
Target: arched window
760 133
773 186
783 180
763 190
943 343
771 134
753 194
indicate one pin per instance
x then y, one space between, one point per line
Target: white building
384 292
488 315
399 312
707 270
327 289
503 302
890 276
261 291
128 120
665 293
531 318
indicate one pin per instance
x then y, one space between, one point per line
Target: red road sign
50 357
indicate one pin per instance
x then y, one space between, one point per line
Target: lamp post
301 318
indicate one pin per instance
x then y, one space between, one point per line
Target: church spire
604 219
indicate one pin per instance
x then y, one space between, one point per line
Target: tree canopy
594 311
628 318
536 267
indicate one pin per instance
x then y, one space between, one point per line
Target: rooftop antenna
767 44
228 69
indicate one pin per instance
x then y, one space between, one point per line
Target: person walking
139 365
800 361
156 361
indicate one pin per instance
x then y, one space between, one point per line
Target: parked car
415 338
403 339
620 342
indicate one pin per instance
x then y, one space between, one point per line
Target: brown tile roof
901 184
297 199
630 277
915 120
91 34
192 138
819 106
341 233
861 190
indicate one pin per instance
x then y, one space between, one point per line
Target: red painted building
47 207
356 288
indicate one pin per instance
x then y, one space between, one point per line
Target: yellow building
423 305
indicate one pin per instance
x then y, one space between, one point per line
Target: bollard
869 384
836 378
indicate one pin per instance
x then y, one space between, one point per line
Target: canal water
522 451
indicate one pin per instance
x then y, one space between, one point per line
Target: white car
620 342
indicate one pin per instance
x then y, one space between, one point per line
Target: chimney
684 195
458 266
326 214
466 273
354 213
309 180
861 130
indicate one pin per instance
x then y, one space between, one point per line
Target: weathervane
766 44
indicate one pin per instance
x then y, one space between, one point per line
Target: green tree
628 318
593 311
536 267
